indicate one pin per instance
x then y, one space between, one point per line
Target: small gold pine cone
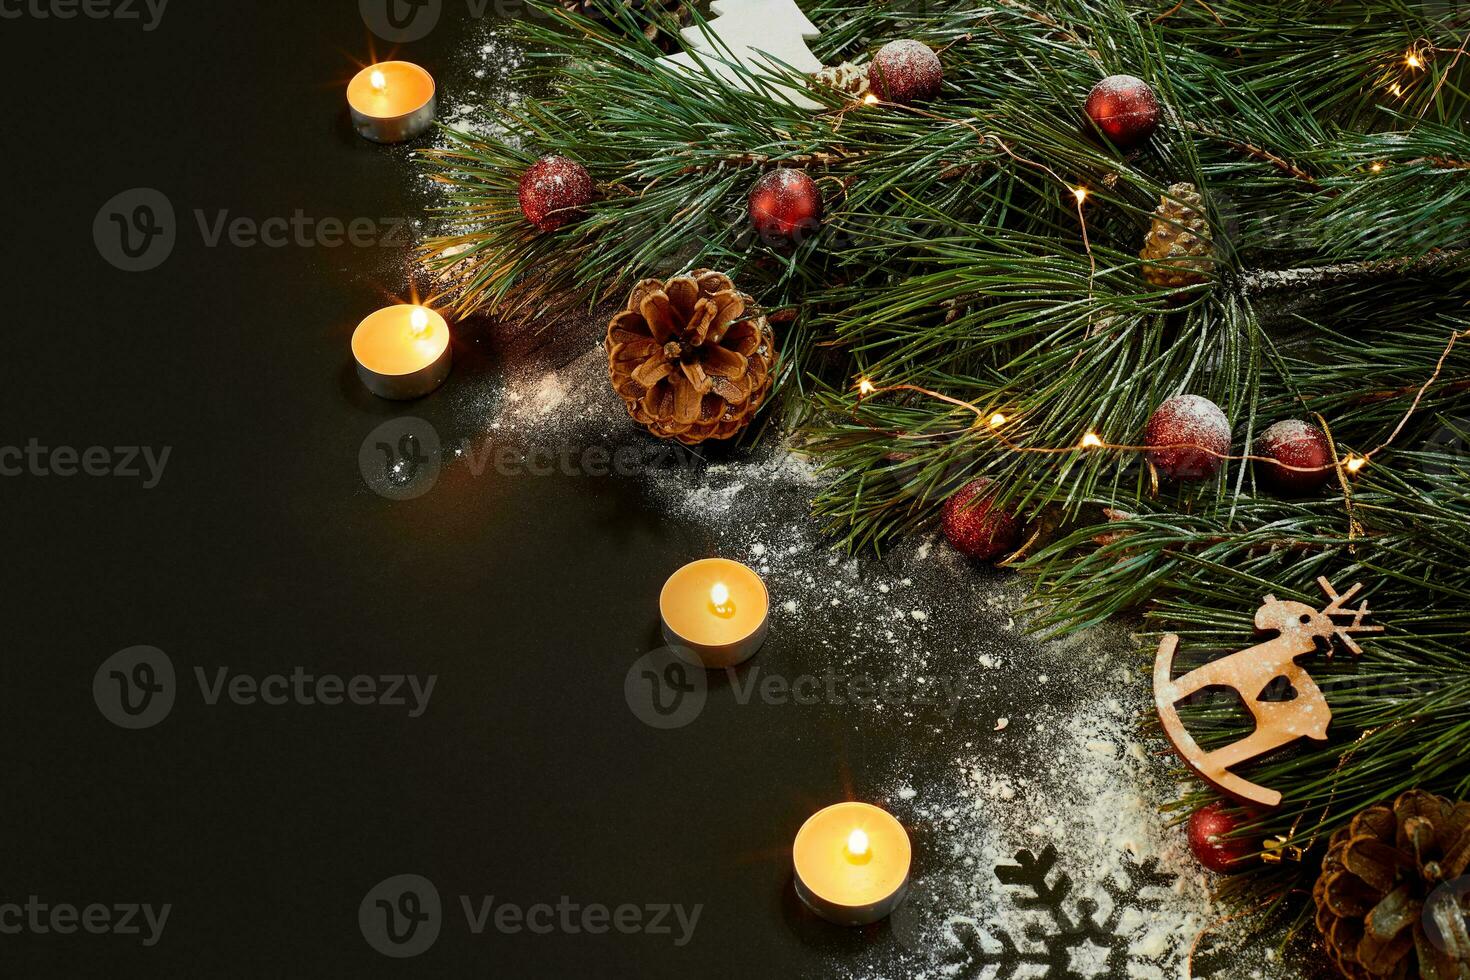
688 360
847 78
1392 900
1179 250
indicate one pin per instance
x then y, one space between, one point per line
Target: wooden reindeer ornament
1298 627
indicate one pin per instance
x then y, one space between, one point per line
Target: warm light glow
1413 60
1355 463
1080 193
418 322
1091 441
870 99
379 81
857 843
1377 168
865 387
997 420
719 600
1394 89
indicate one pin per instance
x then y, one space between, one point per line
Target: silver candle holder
392 102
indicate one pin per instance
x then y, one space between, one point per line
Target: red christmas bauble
979 529
1187 437
1297 444
553 191
1124 109
905 71
785 205
1208 827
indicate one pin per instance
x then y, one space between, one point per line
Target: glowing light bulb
865 387
1413 60
378 80
1080 193
1377 167
997 420
418 323
1355 463
870 99
857 844
1091 441
719 600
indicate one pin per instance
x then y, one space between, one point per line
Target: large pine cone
1179 250
1388 903
687 361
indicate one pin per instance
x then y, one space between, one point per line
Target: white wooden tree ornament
758 34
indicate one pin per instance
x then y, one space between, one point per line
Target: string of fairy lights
995 422
1415 58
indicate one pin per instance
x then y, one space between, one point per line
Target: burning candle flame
379 81
418 323
719 600
857 844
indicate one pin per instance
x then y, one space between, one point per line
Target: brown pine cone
1179 250
1388 903
687 361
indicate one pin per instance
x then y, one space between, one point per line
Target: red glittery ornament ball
1208 827
1297 444
553 190
979 529
905 71
1125 109
785 205
1187 436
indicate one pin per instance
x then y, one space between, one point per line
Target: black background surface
528 778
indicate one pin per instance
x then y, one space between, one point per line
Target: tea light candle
852 863
402 351
716 608
391 102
